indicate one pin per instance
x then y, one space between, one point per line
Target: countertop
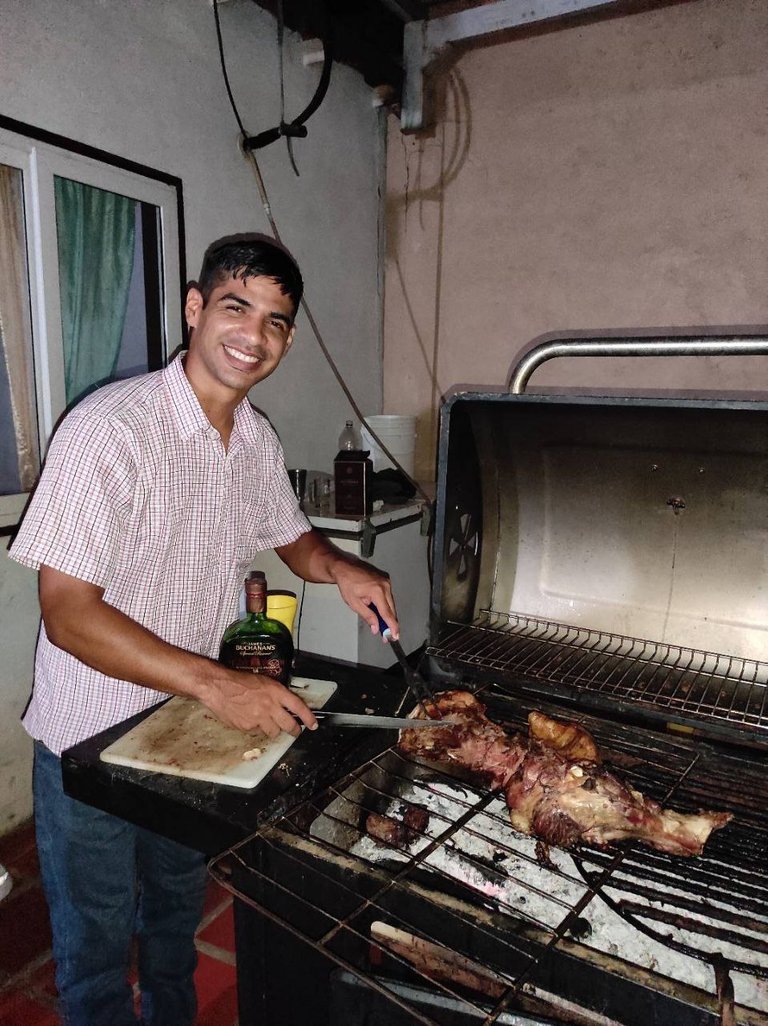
213 817
389 513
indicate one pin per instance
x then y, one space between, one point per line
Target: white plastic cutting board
183 738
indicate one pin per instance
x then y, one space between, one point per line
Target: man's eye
280 325
234 308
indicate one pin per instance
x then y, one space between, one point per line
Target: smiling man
156 495
242 325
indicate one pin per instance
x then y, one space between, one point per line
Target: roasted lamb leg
554 783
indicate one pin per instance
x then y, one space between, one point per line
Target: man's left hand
315 558
361 586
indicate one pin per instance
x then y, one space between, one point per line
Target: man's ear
194 304
289 340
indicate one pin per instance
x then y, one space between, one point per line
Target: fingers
299 708
284 721
252 702
362 606
360 587
383 600
288 712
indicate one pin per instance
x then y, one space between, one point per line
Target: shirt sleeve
84 495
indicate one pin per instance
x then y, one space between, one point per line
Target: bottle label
259 656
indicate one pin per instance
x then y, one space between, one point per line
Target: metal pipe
650 345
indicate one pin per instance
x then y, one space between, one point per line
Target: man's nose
261 329
255 329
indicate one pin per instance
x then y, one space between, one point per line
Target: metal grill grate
468 908
681 682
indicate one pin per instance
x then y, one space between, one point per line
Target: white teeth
241 356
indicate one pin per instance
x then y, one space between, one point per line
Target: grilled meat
569 739
475 743
398 832
562 801
553 782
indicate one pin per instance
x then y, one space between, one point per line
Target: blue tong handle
383 625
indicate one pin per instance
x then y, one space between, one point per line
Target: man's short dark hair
250 256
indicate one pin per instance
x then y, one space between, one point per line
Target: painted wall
607 177
142 79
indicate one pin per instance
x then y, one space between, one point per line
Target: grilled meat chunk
569 739
474 742
553 782
398 832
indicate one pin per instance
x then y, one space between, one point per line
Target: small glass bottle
348 439
256 642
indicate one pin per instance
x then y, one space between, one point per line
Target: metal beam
424 41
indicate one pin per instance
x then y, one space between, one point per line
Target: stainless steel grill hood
607 546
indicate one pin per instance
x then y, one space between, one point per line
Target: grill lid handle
640 345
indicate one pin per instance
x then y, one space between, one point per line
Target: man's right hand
249 701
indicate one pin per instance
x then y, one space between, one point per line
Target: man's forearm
313 558
99 635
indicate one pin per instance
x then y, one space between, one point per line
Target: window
90 287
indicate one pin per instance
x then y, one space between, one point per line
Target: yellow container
282 606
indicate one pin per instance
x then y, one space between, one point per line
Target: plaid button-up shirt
139 497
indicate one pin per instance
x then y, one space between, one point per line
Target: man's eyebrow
232 297
277 316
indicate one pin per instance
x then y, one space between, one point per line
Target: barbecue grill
602 560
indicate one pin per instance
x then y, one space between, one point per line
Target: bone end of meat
681 834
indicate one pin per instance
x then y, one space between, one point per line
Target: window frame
40 156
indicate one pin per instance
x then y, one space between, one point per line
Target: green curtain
96 237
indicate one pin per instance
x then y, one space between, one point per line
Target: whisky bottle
256 642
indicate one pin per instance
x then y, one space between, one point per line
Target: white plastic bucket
398 433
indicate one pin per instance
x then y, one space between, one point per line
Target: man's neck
219 410
221 417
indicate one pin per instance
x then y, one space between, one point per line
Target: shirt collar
189 414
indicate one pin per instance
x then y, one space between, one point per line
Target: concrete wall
603 177
142 79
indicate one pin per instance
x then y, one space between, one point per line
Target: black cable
296 128
325 74
224 70
304 306
280 34
301 610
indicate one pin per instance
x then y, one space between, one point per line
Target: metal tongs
420 690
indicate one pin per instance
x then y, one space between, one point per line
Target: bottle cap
256 581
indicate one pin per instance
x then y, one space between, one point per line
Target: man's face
238 338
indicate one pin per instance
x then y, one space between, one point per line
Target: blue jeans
105 881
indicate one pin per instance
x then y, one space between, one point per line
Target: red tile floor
27 992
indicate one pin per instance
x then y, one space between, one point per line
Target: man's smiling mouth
243 357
